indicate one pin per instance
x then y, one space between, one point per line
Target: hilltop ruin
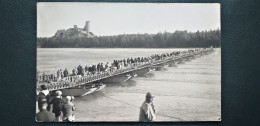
74 32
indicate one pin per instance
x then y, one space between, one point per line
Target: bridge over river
74 81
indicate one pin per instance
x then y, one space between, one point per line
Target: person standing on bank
57 105
44 115
67 110
44 95
72 101
147 111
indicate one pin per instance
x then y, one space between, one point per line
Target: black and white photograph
128 62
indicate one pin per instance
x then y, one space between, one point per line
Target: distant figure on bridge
58 75
65 73
107 66
74 72
94 69
90 69
98 67
147 111
80 70
43 77
86 70
102 68
61 74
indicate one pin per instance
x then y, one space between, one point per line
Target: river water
186 92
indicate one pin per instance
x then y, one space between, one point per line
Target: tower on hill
86 28
75 32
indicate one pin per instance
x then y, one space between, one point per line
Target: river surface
185 92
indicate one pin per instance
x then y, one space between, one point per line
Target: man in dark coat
98 68
44 115
57 105
86 68
79 70
90 70
94 69
102 68
44 95
66 73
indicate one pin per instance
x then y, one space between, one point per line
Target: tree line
178 39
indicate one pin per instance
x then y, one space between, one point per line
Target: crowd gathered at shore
58 109
101 68
54 109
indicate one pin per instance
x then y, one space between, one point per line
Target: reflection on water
189 91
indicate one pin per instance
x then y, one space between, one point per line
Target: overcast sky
128 18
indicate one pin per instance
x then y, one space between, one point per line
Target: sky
126 18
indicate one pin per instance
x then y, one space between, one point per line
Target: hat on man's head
42 101
43 87
149 95
68 98
58 93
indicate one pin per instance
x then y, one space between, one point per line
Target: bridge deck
73 81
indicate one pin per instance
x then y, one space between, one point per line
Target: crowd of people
62 109
100 68
58 109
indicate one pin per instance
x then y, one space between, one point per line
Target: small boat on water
158 67
100 86
82 90
181 61
142 72
188 59
133 75
172 64
117 79
79 90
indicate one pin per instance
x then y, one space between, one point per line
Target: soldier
61 74
86 69
58 75
147 111
74 71
65 73
98 68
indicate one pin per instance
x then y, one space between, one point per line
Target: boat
172 64
79 90
188 59
180 61
133 74
142 72
117 79
158 67
100 86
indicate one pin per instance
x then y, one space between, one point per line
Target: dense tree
178 39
